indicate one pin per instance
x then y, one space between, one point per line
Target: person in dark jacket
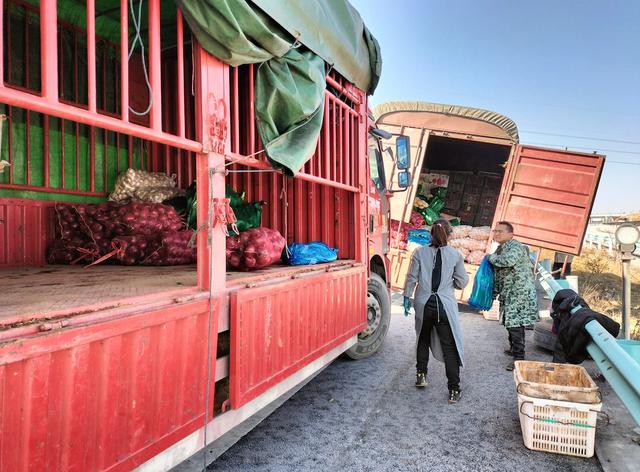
570 314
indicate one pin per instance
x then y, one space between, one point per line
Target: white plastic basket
560 427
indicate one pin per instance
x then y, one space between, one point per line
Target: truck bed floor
55 288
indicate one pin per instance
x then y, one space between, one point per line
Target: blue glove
407 305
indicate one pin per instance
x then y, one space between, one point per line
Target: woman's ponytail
440 231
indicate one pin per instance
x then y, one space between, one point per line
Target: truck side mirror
402 153
404 179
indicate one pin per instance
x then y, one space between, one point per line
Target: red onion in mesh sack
416 220
171 248
131 250
88 232
255 248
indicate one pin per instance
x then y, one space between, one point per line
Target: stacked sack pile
133 228
471 242
133 233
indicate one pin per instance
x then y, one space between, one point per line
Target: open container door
401 203
548 194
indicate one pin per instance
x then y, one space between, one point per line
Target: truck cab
547 194
380 143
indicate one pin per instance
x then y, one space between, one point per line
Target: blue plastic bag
419 236
482 294
311 253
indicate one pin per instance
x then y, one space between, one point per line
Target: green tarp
334 30
293 41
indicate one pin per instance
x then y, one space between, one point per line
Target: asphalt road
367 415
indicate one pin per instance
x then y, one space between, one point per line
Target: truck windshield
376 168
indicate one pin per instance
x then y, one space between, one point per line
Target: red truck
490 176
113 367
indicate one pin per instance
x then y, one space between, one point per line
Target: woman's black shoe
454 396
421 380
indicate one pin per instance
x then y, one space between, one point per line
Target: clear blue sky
563 67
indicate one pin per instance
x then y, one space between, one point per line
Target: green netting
76 159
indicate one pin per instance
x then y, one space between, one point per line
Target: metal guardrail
610 355
606 241
620 369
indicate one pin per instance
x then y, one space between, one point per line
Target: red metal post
124 60
252 115
340 144
91 54
180 46
348 91
326 146
212 81
3 51
48 50
334 139
61 66
362 210
155 71
236 112
348 157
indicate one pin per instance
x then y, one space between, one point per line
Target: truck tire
378 318
542 335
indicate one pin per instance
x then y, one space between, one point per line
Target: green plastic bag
439 192
248 215
429 215
436 204
236 199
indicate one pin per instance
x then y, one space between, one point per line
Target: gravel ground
367 415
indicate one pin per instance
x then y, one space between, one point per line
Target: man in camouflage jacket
515 287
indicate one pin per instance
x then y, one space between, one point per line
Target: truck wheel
378 317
